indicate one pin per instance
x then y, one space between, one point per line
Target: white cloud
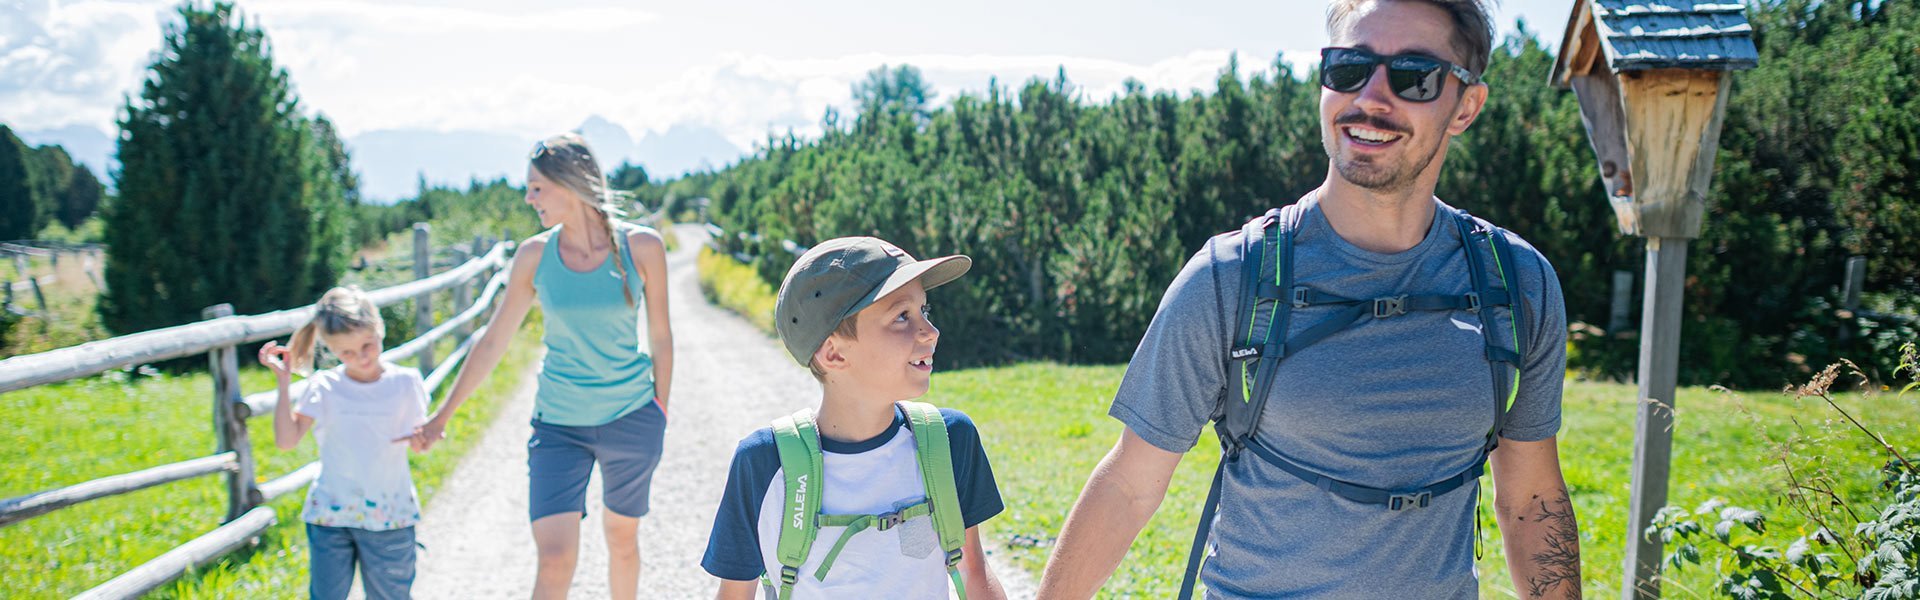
68 63
416 19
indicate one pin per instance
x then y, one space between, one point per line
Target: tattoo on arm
1559 562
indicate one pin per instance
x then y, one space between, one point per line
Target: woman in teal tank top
602 395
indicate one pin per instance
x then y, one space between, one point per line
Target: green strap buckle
889 520
789 575
953 558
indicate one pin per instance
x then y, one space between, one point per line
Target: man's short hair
1472 26
849 329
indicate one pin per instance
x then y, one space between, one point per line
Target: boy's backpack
1266 304
798 441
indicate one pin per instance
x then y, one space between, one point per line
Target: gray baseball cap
838 277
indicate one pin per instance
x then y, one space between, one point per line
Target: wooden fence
218 337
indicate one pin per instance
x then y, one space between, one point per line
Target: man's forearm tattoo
1559 563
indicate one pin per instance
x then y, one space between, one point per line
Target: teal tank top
595 370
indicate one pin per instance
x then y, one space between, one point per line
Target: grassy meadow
67 433
1045 427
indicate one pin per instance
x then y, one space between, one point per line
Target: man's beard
1374 175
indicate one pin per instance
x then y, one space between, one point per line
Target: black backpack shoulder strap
1259 330
1490 265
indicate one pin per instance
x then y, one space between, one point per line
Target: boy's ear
831 356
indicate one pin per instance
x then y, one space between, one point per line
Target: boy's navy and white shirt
875 476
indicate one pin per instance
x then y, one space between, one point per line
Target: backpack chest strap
1394 500
857 523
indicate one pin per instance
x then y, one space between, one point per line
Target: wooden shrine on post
1652 79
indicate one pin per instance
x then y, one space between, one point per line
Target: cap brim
930 273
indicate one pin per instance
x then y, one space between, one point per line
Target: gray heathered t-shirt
1395 403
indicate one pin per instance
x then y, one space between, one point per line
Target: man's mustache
1373 121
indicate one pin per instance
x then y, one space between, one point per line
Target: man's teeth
1369 135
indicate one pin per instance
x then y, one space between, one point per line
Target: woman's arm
492 346
649 254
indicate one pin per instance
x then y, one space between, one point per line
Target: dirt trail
729 379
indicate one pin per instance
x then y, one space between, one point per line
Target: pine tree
225 194
80 198
18 209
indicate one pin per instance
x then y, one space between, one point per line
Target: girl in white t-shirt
363 413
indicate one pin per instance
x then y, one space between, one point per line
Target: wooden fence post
1850 295
461 296
230 429
40 297
423 304
1618 318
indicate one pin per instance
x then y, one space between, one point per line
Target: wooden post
423 305
230 429
1653 421
40 297
462 295
1850 295
20 266
1622 307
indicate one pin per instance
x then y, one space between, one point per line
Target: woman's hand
274 357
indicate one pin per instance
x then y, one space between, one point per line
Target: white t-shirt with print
364 480
871 477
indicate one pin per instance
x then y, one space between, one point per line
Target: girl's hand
274 357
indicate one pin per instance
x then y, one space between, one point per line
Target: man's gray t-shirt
1395 403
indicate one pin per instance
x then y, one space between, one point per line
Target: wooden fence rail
219 336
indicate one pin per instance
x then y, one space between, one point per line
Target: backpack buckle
789 575
1473 302
1400 502
889 520
1389 306
953 558
1299 297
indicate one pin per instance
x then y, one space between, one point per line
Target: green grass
75 431
1045 426
736 287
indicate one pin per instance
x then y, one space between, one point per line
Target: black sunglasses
1413 77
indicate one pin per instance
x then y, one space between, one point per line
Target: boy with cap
870 496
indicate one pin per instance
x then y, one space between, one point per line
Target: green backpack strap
935 455
798 441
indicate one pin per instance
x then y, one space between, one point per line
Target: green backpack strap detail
798 441
935 455
857 523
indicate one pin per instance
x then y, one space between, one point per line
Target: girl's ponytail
300 348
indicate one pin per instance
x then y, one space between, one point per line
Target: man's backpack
798 440
1267 298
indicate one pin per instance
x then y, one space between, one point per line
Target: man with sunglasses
1363 481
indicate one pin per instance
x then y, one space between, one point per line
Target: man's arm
1123 493
1536 519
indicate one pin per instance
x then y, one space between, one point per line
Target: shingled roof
1658 34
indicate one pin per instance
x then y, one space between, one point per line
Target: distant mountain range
392 162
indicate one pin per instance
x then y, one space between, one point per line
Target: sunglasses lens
1345 69
1416 79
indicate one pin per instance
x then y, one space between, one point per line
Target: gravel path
729 379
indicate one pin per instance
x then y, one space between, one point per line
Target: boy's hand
274 357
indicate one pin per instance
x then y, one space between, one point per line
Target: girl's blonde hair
341 310
566 160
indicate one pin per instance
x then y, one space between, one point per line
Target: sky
740 68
